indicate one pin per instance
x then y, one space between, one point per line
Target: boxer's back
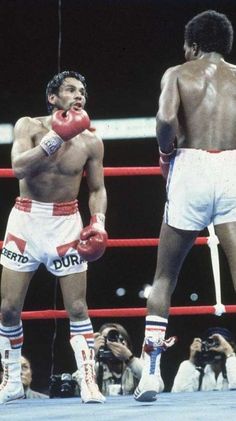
207 115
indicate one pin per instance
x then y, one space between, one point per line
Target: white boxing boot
86 377
11 387
151 382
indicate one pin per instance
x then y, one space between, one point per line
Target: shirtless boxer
49 156
196 117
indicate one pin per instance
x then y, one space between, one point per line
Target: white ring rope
212 243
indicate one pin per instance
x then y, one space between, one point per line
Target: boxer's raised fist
70 123
65 125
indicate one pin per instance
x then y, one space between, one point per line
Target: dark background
122 47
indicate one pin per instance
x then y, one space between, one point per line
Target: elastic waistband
54 209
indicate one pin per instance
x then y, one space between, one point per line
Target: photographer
118 370
211 364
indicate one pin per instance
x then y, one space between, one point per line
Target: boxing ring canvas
194 406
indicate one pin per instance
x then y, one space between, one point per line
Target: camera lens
66 389
113 335
211 342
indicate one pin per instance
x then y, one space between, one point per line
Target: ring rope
108 171
140 242
147 242
125 312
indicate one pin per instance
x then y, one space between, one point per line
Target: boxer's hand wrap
98 221
51 142
164 161
93 239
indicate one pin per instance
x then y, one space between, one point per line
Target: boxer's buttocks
201 188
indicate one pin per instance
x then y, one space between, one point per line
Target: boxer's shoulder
30 124
40 121
91 137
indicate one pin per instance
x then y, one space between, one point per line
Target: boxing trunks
45 233
201 188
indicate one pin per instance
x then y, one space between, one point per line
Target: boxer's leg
173 248
226 234
73 288
14 286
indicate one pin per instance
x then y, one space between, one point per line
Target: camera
208 344
207 355
62 386
104 353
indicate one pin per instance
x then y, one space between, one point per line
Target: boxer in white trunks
49 157
196 133
209 189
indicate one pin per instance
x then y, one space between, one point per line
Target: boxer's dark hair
211 31
57 80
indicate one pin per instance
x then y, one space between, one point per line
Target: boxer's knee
158 301
78 309
10 313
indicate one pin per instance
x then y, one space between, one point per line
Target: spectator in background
118 370
211 364
26 378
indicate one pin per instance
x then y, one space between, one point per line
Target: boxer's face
26 373
71 94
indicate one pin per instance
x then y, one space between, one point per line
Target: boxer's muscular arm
93 238
24 155
167 116
95 179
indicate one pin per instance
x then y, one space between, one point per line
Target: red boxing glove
93 239
164 162
71 123
65 125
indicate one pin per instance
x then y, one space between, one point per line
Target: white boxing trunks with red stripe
45 233
201 188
